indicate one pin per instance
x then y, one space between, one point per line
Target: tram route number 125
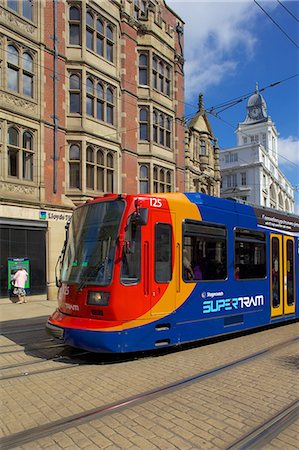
156 202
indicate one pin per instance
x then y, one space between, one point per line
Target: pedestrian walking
19 279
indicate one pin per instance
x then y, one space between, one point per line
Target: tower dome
256 107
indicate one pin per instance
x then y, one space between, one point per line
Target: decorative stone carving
16 22
17 188
18 102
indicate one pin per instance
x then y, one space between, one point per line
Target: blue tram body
153 297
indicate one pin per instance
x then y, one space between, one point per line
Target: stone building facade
202 170
91 101
250 171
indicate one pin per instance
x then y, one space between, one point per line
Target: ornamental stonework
16 22
17 102
17 188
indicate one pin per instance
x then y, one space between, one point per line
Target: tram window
290 273
130 266
275 273
250 254
163 252
204 251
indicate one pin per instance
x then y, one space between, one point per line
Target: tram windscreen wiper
90 273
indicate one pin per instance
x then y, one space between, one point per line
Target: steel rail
35 433
261 435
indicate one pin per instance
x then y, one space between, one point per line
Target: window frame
250 237
19 68
159 250
22 153
205 230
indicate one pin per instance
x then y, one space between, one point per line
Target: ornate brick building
91 101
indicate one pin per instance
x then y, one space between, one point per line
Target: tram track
75 420
262 434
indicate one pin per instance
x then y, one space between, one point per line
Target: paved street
53 398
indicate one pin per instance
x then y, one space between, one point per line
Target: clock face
255 112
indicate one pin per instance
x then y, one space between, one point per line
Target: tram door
282 275
160 277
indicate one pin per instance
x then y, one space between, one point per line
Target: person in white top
20 278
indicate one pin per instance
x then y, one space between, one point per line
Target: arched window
27 81
109 43
75 94
100 171
89 31
89 97
13 68
75 166
20 153
143 69
109 105
110 172
74 26
100 38
27 156
144 179
90 168
100 101
143 124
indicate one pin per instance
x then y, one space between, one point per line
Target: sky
229 46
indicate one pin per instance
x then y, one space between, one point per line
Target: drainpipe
55 98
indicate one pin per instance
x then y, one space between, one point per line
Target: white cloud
218 36
288 149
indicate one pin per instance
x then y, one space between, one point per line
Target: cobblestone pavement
208 413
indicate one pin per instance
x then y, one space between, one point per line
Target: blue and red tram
150 271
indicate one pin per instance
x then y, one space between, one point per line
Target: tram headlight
99 298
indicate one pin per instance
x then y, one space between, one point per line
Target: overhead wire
290 12
275 23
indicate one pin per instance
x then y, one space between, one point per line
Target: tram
141 272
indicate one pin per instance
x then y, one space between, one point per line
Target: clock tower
258 127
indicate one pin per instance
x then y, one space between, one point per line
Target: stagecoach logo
71 307
228 304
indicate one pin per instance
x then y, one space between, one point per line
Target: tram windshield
90 249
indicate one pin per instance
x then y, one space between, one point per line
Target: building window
99 168
20 153
109 105
109 43
99 35
162 129
162 179
74 26
231 180
233 157
161 75
203 148
75 94
75 166
20 73
143 69
227 158
23 7
244 140
144 179
243 179
144 124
